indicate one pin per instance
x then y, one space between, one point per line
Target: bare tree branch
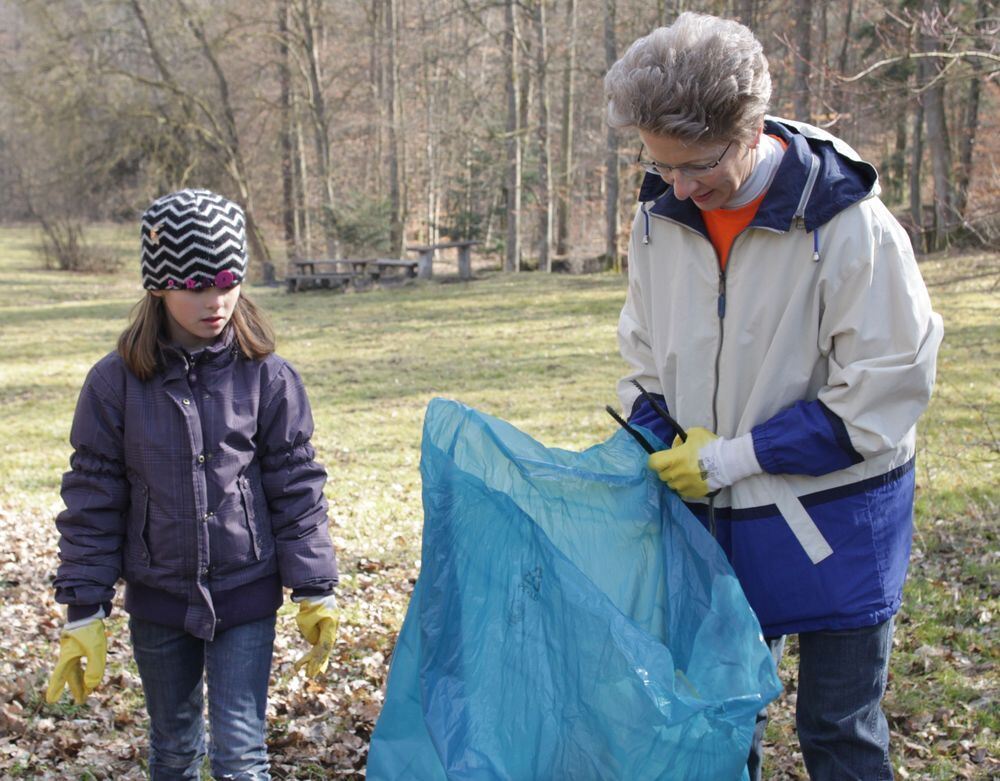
921 55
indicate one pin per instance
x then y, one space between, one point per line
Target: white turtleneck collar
769 154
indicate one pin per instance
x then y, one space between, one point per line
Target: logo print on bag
530 586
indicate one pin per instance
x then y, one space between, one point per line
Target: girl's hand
87 641
318 620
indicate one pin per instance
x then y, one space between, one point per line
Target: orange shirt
724 225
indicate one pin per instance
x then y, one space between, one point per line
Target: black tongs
658 409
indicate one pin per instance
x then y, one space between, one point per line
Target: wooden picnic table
409 267
340 272
425 253
320 273
338 266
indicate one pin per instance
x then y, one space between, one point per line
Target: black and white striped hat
193 239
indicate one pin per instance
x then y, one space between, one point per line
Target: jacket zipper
721 312
720 302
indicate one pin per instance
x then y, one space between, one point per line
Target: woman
775 308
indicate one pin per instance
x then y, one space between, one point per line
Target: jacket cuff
804 439
80 612
840 433
762 448
644 415
307 592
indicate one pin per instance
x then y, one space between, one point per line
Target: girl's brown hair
141 343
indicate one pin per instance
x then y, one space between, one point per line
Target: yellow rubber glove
318 621
87 641
679 467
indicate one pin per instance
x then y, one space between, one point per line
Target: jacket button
186 402
201 458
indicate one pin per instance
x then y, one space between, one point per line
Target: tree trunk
566 135
803 60
286 143
898 169
842 94
916 164
431 72
311 36
376 85
744 11
392 102
970 126
611 149
512 258
938 142
821 103
544 144
303 202
525 45
966 145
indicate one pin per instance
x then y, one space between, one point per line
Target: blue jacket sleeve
644 415
804 439
293 483
96 494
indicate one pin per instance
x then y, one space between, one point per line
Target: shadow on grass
83 310
35 392
968 336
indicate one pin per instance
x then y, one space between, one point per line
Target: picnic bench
377 266
341 272
425 255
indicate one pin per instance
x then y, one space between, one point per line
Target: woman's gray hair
700 79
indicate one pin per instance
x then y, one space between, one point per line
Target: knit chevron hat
193 239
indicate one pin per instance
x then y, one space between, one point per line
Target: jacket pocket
137 527
249 514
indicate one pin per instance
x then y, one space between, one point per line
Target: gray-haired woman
775 307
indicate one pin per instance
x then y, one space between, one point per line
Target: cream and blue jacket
818 338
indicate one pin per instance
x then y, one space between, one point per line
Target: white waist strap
765 489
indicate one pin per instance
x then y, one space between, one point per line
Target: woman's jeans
236 667
838 713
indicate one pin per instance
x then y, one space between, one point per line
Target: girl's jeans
838 713
236 667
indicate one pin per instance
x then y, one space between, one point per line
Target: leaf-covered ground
537 351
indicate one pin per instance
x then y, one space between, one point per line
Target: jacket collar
177 360
818 178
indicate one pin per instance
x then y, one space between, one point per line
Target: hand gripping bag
572 620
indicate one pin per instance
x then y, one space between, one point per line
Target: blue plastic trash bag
572 620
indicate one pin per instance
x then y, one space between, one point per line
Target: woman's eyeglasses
690 171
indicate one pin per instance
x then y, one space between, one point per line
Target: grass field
536 350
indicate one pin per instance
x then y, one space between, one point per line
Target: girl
194 480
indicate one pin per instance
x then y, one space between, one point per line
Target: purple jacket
199 488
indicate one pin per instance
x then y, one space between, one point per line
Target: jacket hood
818 178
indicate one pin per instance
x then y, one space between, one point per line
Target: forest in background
359 126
